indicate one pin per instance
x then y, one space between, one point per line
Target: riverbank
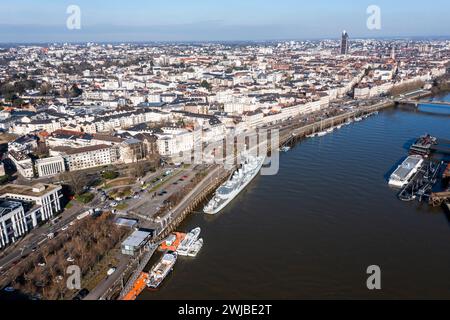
333 212
295 128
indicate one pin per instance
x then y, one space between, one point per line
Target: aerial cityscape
261 168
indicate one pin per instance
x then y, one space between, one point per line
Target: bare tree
76 180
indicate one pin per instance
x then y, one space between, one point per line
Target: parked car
111 271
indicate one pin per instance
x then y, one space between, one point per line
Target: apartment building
87 157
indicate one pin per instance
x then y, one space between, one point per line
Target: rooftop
36 190
136 238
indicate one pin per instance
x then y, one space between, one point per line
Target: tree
75 91
76 180
45 88
110 175
205 84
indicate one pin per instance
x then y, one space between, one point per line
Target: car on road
114 204
64 228
111 271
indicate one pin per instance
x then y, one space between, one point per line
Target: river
311 231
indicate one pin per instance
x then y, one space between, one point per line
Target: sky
25 21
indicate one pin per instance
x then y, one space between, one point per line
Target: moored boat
195 248
160 271
188 241
403 174
237 182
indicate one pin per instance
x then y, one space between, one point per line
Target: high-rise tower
344 43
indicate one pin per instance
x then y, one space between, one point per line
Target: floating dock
427 144
172 242
138 286
421 184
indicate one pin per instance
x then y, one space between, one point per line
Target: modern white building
50 166
44 197
13 222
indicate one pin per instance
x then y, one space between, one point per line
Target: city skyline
141 21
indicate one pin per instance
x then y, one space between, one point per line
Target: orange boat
172 242
138 287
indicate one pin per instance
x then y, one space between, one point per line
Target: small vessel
195 248
237 182
188 242
322 133
160 271
358 119
403 174
172 242
285 148
138 287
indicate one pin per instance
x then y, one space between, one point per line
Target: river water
311 231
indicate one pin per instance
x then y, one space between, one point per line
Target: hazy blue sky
173 20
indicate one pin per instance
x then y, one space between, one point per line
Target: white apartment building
173 141
87 157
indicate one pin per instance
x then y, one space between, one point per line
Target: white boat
237 182
330 130
188 241
403 174
160 271
195 248
285 149
358 119
322 133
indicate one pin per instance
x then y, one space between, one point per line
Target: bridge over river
419 102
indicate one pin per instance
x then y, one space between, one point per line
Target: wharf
422 182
